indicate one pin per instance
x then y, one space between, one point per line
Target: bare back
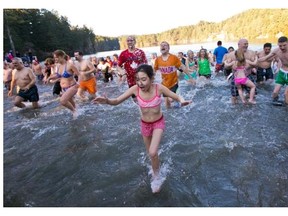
249 55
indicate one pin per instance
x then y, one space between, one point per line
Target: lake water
213 153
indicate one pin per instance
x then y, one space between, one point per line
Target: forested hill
44 31
257 25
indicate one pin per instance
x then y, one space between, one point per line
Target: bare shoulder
250 55
276 51
71 66
28 69
161 88
88 62
251 52
133 89
260 54
230 56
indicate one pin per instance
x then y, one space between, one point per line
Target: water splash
44 131
157 181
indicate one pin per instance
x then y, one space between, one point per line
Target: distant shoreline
210 46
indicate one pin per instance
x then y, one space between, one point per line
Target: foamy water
212 153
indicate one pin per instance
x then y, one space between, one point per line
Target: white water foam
44 131
157 181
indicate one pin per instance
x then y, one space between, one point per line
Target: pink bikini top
155 101
240 68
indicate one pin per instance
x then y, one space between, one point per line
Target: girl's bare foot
156 184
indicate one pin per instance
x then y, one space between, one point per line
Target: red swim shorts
148 127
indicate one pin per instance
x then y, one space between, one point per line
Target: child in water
204 63
192 68
148 95
240 77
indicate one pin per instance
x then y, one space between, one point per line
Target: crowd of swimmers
243 68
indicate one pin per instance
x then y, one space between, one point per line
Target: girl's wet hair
240 57
59 53
145 68
205 53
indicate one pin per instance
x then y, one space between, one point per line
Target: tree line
43 31
256 25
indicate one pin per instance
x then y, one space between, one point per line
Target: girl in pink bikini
241 79
148 96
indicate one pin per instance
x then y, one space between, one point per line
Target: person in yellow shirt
168 64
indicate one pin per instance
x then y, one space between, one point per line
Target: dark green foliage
44 31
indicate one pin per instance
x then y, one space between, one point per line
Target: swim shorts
148 127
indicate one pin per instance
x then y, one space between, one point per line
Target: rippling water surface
212 153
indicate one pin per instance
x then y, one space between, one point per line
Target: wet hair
282 39
49 61
145 68
267 45
66 57
239 54
60 53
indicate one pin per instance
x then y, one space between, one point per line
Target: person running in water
148 95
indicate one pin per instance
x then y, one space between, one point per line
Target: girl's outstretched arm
167 92
115 101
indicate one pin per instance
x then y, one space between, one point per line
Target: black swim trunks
30 94
262 72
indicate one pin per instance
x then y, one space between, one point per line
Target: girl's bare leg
252 86
152 146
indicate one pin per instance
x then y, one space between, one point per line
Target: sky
133 17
